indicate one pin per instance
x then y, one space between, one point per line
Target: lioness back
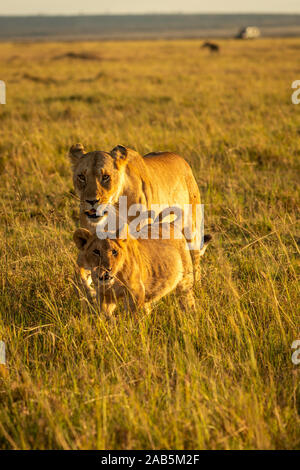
166 165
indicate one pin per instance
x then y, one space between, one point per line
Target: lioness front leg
186 295
196 255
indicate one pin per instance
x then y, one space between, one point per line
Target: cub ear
80 237
119 153
75 153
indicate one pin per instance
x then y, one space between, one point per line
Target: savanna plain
218 378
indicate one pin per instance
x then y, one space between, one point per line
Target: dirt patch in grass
77 55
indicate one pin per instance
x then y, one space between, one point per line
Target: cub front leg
148 308
85 291
108 309
83 271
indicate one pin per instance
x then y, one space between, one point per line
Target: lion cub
137 271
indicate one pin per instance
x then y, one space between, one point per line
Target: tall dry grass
221 378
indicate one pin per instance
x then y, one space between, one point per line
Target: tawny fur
142 271
157 178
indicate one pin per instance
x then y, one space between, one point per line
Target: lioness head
104 257
98 179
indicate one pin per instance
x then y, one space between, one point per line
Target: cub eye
115 252
81 178
96 252
105 178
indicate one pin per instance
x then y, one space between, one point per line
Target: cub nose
93 201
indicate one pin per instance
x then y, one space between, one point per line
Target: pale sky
32 7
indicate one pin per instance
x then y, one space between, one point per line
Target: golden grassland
220 378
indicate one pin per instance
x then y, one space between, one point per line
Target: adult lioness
162 178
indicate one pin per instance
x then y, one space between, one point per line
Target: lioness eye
96 252
115 252
105 178
81 178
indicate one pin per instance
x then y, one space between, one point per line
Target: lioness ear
81 236
120 154
75 153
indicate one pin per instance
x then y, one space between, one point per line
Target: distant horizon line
179 13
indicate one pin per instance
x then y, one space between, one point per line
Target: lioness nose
93 201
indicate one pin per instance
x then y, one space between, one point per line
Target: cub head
98 179
105 257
